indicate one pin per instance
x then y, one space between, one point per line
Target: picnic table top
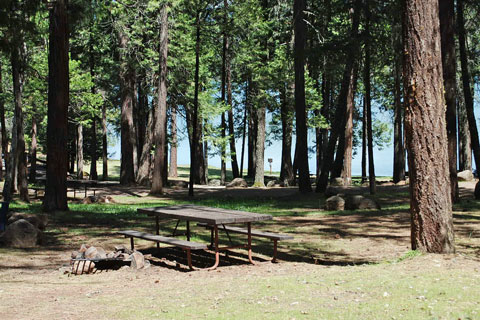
208 215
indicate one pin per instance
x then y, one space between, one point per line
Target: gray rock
337 182
335 203
215 183
272 183
401 183
178 184
40 221
466 175
237 183
101 254
137 260
358 202
21 234
91 253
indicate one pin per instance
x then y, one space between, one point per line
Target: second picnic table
210 217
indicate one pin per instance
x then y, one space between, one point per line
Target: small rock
214 183
237 183
137 260
83 248
101 254
358 202
271 183
465 175
178 184
91 253
337 182
335 203
401 183
120 248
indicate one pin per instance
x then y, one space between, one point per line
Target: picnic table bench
275 237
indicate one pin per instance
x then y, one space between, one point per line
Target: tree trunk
371 164
80 151
223 155
173 172
104 143
431 206
127 79
399 148
160 112
143 175
286 171
245 120
260 146
300 108
20 161
33 146
364 141
337 127
195 135
93 151
252 135
447 30
467 90
3 150
58 98
348 149
464 145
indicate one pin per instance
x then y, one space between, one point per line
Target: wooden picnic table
214 217
76 184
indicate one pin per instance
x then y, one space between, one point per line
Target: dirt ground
33 284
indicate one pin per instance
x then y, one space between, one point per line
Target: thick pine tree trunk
93 151
160 111
260 147
173 171
127 79
223 152
364 141
286 171
3 150
58 98
467 90
33 146
337 128
430 206
252 136
447 30
245 120
300 108
80 151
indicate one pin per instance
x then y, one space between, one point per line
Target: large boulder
274 183
335 203
465 175
21 234
40 221
237 183
358 202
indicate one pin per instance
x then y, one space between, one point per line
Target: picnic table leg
157 229
188 230
274 251
85 191
217 252
249 228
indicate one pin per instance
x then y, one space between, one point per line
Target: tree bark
3 150
300 108
398 139
195 134
18 149
447 31
348 149
260 147
245 120
252 134
464 145
286 171
127 79
430 204
80 151
160 112
33 146
173 171
104 143
143 175
58 98
467 90
371 164
337 127
364 141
